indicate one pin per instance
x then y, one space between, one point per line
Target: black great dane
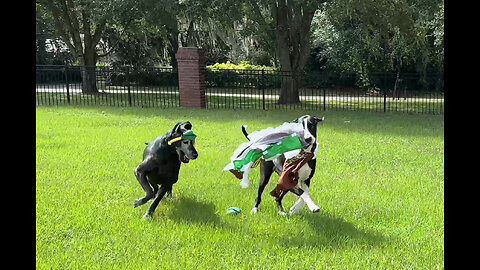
161 163
305 173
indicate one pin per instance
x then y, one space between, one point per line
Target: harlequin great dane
305 173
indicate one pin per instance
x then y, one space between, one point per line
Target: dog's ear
175 127
318 120
175 130
187 125
300 119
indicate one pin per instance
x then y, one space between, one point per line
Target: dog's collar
187 135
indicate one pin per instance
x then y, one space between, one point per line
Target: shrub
244 75
243 65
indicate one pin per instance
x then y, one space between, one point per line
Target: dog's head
182 138
310 122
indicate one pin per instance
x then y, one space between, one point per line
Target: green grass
379 184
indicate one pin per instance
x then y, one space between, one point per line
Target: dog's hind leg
158 197
141 174
266 170
155 187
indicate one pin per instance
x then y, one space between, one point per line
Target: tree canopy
292 35
380 35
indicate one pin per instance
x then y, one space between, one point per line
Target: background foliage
347 35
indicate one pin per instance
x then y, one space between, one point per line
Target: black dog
161 163
305 173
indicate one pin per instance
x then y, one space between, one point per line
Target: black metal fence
379 92
125 86
245 89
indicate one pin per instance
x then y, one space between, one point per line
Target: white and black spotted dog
305 173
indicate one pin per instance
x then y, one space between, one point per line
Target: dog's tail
244 130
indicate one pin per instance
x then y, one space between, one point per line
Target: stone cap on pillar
190 53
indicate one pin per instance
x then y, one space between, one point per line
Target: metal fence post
324 103
66 83
128 87
384 92
263 89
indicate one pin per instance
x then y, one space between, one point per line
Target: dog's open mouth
183 157
186 157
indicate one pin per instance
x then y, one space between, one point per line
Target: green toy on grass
234 210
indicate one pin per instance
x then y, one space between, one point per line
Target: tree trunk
89 79
89 84
70 22
289 90
41 44
172 49
396 85
293 22
41 54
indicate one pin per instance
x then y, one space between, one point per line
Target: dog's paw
313 207
254 210
137 203
147 216
282 213
293 212
295 209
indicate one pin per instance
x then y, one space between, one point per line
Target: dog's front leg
278 201
299 203
169 192
140 174
160 193
296 207
311 205
305 196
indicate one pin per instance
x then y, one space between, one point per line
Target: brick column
191 82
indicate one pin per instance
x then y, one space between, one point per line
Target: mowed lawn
379 183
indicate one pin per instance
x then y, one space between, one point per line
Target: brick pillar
191 82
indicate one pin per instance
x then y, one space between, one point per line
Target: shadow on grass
331 232
194 212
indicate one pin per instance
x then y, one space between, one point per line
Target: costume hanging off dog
289 139
289 177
